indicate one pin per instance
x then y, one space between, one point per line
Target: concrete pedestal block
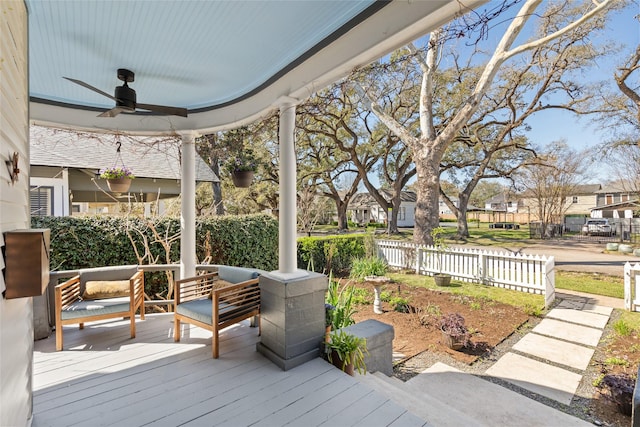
41 327
292 318
379 338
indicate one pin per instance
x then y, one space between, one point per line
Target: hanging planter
242 167
118 177
119 185
242 179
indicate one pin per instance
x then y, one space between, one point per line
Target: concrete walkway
551 359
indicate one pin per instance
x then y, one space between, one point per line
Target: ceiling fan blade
113 112
174 111
88 86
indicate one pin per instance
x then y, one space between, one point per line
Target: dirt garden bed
496 327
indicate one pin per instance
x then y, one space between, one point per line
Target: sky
579 132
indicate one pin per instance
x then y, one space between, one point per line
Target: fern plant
350 349
370 266
341 299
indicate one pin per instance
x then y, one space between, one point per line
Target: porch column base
292 318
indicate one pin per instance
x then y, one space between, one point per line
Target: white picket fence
632 286
524 273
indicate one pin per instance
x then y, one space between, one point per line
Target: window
402 213
41 201
608 199
574 199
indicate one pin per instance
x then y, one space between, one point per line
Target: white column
287 219
188 211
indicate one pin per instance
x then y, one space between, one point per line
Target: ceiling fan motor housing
125 97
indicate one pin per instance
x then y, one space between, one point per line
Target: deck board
103 377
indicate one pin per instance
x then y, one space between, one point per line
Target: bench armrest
67 293
195 287
136 289
235 301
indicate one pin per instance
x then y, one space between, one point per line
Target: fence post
627 286
482 267
549 279
418 258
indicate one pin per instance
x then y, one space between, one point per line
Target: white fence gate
631 284
524 273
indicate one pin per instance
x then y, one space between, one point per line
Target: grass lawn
532 304
598 284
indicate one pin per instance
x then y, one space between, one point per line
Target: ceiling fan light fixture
125 98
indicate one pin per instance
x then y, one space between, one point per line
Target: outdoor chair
216 300
98 294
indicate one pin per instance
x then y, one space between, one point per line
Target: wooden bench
73 307
213 301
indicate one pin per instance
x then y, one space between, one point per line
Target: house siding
16 315
583 205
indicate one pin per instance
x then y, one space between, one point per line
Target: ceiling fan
125 98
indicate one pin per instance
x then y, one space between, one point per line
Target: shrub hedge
330 253
83 242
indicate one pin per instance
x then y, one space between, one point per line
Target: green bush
331 253
83 242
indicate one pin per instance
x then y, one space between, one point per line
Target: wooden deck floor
104 378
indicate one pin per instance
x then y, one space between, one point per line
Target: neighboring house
365 209
65 168
613 194
582 199
502 203
625 209
614 201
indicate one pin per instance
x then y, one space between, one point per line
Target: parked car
598 227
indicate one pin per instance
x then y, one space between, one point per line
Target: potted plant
242 167
118 178
328 321
441 279
454 332
620 388
347 352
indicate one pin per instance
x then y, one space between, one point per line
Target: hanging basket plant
242 168
118 177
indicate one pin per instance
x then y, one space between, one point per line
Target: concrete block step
435 412
484 402
391 380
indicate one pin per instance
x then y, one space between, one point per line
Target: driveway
578 256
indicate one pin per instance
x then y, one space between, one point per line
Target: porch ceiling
227 62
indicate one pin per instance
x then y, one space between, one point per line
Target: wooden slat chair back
230 303
70 308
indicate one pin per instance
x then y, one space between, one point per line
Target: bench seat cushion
236 274
95 307
201 310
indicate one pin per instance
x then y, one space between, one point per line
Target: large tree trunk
392 221
217 197
461 215
341 208
428 194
